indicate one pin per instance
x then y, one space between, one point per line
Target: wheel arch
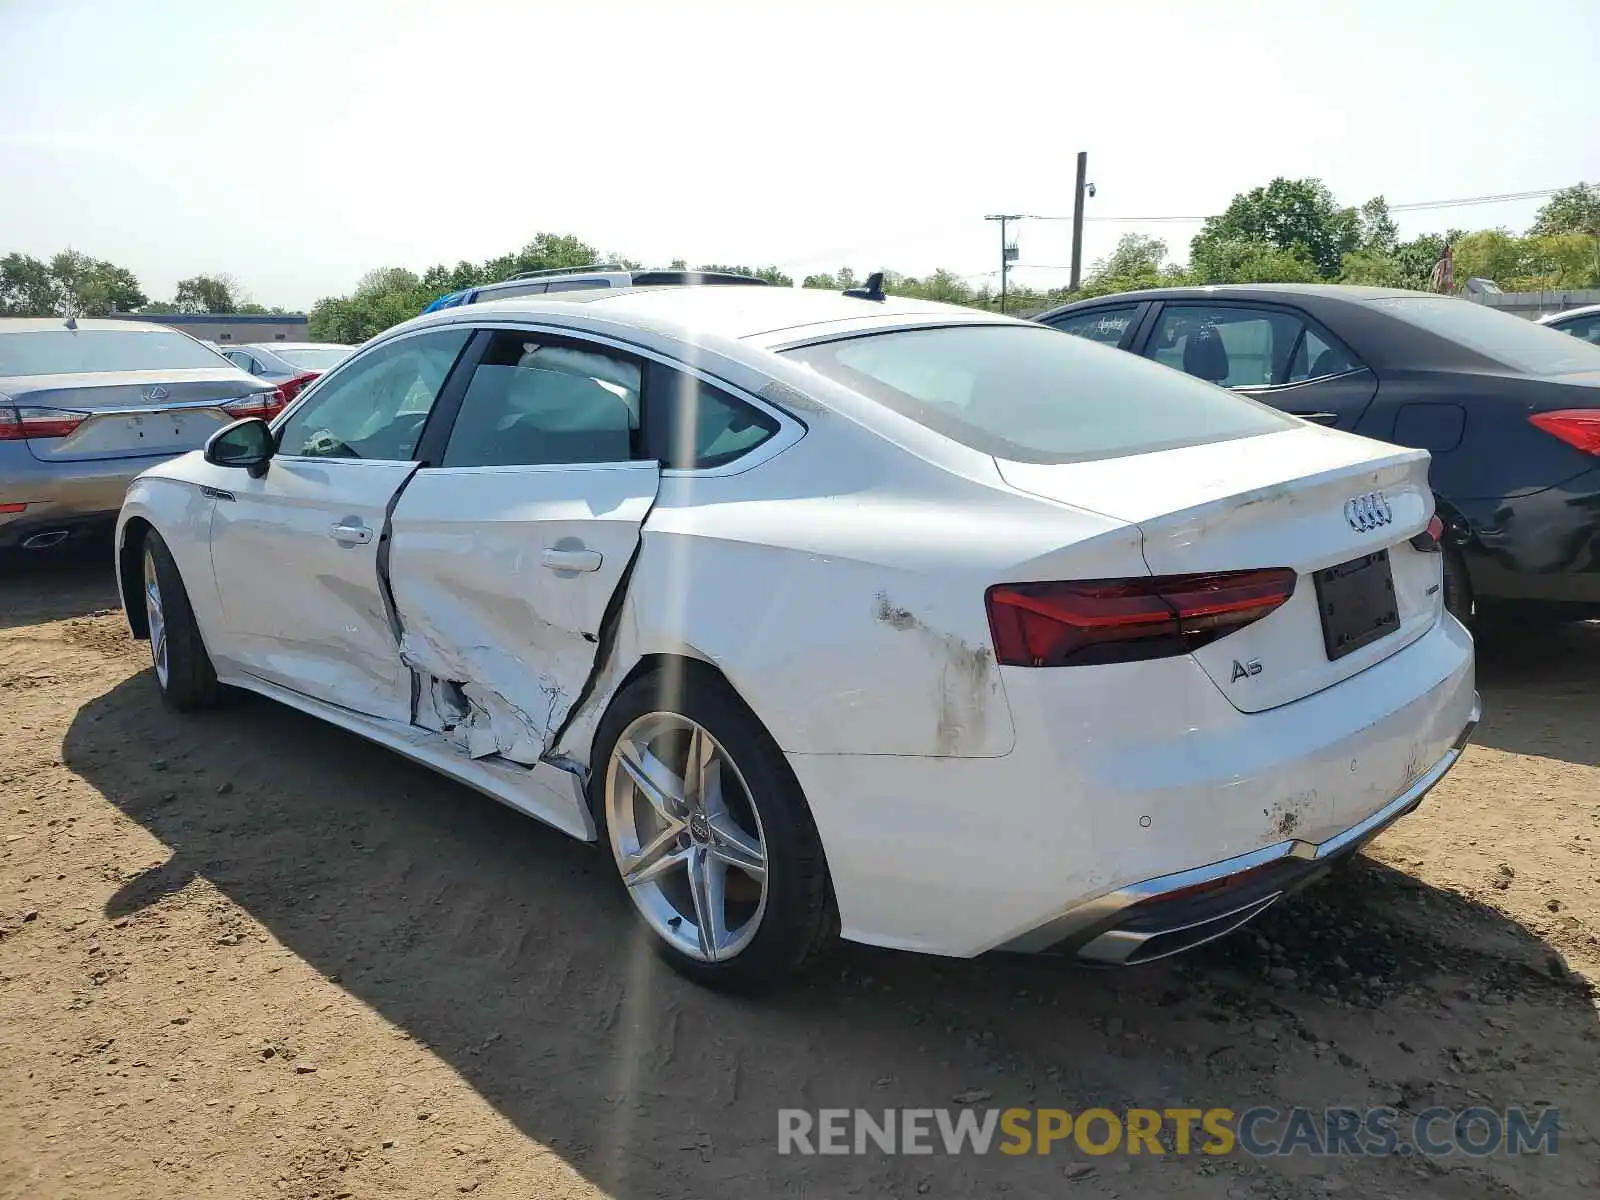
683 661
130 556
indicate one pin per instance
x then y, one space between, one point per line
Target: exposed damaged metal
489 670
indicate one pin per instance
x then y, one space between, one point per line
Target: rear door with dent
508 546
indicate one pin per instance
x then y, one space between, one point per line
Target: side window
535 400
1226 344
1316 357
1585 328
375 405
694 425
1105 325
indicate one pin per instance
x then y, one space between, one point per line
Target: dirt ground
245 954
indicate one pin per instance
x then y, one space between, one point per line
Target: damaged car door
296 551
511 541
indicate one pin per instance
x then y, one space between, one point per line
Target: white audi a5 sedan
832 615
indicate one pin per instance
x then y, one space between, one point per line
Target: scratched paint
966 683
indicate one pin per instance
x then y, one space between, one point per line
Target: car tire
747 804
1458 599
182 667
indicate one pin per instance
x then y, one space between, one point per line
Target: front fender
180 511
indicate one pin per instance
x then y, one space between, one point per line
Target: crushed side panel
502 636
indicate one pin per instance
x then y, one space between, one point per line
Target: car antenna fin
872 291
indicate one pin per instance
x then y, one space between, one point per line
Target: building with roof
224 328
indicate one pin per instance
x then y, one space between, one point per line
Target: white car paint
836 579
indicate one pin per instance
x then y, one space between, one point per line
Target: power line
1413 206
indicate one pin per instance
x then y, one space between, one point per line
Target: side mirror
246 443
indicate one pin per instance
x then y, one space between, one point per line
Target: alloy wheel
687 839
156 620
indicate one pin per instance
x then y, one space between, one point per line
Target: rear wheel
711 836
183 669
1458 601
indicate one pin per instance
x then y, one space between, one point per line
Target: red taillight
19 424
265 405
1578 427
1430 539
1082 622
290 388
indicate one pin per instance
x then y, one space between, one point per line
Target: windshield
1030 393
313 358
1514 341
69 351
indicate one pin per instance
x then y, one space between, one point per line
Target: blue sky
297 145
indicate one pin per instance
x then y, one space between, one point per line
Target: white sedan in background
832 614
1579 322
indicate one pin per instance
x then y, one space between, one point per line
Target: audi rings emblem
1368 512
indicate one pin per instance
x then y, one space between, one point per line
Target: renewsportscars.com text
1260 1132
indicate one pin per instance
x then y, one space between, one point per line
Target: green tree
1569 260
1571 210
545 252
1373 268
27 288
1244 260
1496 254
93 287
69 283
1136 255
1297 217
1139 261
208 294
1379 233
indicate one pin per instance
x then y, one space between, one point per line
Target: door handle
1319 418
350 531
573 560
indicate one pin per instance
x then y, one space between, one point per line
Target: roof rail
568 270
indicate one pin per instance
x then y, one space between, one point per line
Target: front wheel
183 669
711 835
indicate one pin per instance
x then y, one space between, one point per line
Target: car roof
45 324
769 314
1581 311
1334 292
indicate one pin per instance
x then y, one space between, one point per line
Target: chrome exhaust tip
43 541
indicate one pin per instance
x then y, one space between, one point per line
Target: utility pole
1008 252
1077 220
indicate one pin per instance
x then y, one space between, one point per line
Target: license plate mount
1357 602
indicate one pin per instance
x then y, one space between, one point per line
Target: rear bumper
1160 917
1123 778
72 497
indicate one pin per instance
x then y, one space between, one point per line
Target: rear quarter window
1513 341
1026 393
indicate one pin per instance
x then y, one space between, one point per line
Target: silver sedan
87 405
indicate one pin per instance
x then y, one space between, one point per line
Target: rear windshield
314 358
1515 341
67 351
1030 393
